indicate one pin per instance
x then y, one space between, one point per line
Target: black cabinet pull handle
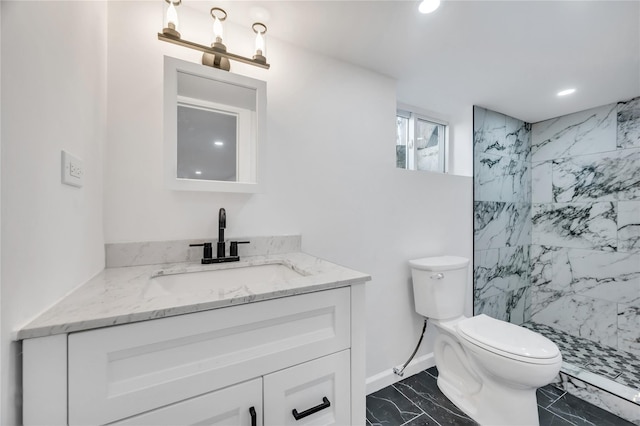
312 410
254 417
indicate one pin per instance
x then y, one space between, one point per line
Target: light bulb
217 29
259 44
428 6
172 16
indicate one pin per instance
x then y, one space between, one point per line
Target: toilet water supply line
400 372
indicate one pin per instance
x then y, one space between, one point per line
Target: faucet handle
207 251
233 249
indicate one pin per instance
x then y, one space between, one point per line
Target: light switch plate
72 170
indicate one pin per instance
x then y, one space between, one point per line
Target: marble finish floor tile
548 395
423 390
547 418
430 407
422 420
582 413
389 407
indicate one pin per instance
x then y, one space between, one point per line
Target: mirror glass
214 128
207 148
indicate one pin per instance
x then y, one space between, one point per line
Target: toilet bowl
489 368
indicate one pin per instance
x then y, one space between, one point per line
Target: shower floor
619 366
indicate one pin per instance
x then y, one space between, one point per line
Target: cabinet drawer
227 407
117 372
304 387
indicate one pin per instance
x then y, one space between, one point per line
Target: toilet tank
439 286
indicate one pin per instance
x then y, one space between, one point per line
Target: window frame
414 116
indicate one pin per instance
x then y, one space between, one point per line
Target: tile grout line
394 403
427 414
555 400
436 379
417 406
408 399
409 421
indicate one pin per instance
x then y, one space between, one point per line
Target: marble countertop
131 294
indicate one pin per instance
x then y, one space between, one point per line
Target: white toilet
488 368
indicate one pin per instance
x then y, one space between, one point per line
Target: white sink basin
223 279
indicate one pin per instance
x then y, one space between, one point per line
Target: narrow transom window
420 142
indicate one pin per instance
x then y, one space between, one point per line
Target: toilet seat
508 340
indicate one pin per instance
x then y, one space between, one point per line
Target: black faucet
222 223
221 249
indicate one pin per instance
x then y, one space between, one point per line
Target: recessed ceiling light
566 92
198 172
218 143
428 6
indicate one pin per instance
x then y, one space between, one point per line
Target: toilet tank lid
507 337
439 263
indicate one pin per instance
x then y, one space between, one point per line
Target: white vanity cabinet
325 379
210 367
318 390
240 404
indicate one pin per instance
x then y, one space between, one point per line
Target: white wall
461 143
459 156
330 171
53 97
1 393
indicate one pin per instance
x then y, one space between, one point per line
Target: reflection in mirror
214 128
207 148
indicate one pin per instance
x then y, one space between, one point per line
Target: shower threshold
604 376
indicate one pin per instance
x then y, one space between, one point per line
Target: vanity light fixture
212 59
428 6
260 29
566 92
215 56
171 20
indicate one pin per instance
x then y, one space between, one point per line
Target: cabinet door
318 390
122 371
239 405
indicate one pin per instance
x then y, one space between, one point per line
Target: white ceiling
509 56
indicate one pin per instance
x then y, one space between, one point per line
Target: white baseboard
388 377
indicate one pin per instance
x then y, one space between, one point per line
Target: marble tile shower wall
502 215
585 236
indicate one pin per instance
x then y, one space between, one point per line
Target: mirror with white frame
214 128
